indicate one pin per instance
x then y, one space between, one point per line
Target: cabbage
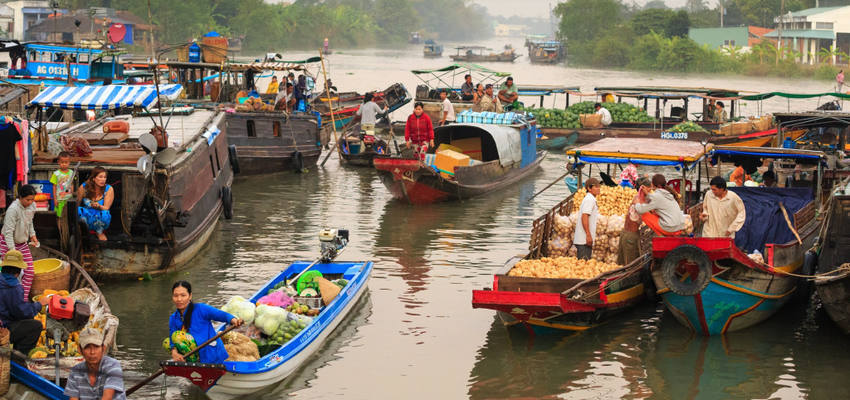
270 319
240 308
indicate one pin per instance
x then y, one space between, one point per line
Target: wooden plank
648 148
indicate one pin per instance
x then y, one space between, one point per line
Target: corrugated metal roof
716 37
813 11
803 34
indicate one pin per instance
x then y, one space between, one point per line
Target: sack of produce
277 299
240 308
559 246
689 224
561 268
240 347
757 257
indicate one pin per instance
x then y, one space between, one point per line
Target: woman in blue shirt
196 318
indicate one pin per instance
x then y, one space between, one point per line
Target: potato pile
606 245
561 268
611 200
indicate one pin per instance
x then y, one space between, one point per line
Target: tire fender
690 260
227 202
234 160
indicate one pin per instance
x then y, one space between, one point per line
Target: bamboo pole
331 106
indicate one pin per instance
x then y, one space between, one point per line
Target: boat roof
273 65
506 138
465 67
471 48
644 151
670 90
763 96
544 90
812 119
769 152
103 97
58 48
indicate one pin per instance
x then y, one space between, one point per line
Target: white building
27 13
808 31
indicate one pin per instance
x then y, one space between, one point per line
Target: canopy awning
462 67
104 97
767 152
763 96
641 151
505 139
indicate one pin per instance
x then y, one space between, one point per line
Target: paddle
162 370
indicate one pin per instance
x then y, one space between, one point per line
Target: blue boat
48 64
27 383
719 285
234 379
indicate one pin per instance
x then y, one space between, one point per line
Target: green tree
678 24
396 18
611 51
586 20
651 20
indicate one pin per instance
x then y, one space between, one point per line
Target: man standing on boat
467 90
606 115
369 111
508 94
98 376
588 214
447 110
723 211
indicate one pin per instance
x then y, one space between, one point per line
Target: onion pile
561 268
611 200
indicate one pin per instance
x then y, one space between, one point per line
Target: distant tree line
609 33
305 23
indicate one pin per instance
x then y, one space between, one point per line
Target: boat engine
332 241
64 315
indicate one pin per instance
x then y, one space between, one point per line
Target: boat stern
202 375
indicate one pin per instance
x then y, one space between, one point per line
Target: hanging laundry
23 163
9 138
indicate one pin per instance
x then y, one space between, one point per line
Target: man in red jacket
419 132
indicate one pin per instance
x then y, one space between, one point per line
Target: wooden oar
550 185
788 221
162 370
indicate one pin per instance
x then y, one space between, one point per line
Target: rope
163 390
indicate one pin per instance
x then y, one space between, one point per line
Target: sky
540 8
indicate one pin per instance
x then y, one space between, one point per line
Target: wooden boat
162 216
545 51
476 54
346 106
88 66
35 380
544 304
242 379
432 50
556 143
272 141
359 148
507 155
833 282
711 285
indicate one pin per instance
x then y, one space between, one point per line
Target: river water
415 335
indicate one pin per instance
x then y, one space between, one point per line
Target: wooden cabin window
276 129
217 161
252 131
212 166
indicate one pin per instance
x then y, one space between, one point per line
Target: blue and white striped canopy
104 97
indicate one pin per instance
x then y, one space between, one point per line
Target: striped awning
104 97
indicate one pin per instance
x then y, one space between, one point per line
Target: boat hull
267 142
833 286
834 293
740 292
411 181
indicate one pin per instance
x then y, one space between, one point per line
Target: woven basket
740 128
5 369
58 279
183 53
328 289
215 49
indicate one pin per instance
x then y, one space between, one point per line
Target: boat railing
804 215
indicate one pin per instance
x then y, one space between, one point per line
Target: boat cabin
505 146
661 95
49 64
546 51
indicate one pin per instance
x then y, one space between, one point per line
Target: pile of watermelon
569 118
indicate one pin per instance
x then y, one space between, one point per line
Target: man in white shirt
723 211
447 111
588 214
606 115
368 112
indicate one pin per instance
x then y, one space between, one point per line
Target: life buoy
297 161
686 270
227 202
234 160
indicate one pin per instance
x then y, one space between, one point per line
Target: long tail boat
544 304
713 285
502 155
359 148
476 54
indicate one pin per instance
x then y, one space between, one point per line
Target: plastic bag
240 308
270 319
277 299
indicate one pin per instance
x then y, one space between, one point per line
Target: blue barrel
788 143
194 52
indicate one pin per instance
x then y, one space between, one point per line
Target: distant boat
432 49
414 38
476 54
546 51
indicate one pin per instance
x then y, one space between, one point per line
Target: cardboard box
470 147
447 160
445 146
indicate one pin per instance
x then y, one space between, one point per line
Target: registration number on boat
674 135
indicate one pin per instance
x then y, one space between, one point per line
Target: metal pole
331 107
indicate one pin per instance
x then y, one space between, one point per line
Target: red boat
507 155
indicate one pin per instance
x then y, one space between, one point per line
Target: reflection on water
416 336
